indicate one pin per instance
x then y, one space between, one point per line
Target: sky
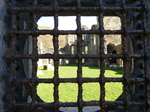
67 23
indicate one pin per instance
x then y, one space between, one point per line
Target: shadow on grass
118 72
72 64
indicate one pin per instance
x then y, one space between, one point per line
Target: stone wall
113 23
2 51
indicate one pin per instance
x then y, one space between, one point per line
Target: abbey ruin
90 44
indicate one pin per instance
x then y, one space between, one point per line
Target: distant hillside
44 28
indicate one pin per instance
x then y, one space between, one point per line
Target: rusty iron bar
101 52
34 61
72 9
70 56
12 51
67 80
145 40
79 56
125 52
65 32
56 59
74 104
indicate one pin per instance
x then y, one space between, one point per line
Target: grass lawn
68 91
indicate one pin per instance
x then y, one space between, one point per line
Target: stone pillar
3 48
28 63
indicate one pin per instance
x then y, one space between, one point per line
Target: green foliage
68 92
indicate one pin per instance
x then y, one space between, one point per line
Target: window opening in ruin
73 50
86 50
111 50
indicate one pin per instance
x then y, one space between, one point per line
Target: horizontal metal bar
72 9
66 32
75 56
121 103
75 104
72 80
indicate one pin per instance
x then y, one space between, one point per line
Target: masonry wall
148 49
2 51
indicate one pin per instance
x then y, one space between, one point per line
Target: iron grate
24 16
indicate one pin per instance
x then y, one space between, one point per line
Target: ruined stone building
90 44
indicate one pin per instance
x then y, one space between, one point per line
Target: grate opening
45 91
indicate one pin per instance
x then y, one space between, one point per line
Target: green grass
68 92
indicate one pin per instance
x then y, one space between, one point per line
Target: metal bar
56 58
79 56
144 27
12 51
101 51
34 61
65 32
72 9
74 104
125 52
71 80
70 56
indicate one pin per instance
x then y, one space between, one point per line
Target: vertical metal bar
144 27
13 43
56 58
12 51
79 54
34 60
13 38
101 51
125 54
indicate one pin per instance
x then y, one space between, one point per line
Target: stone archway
114 49
111 50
